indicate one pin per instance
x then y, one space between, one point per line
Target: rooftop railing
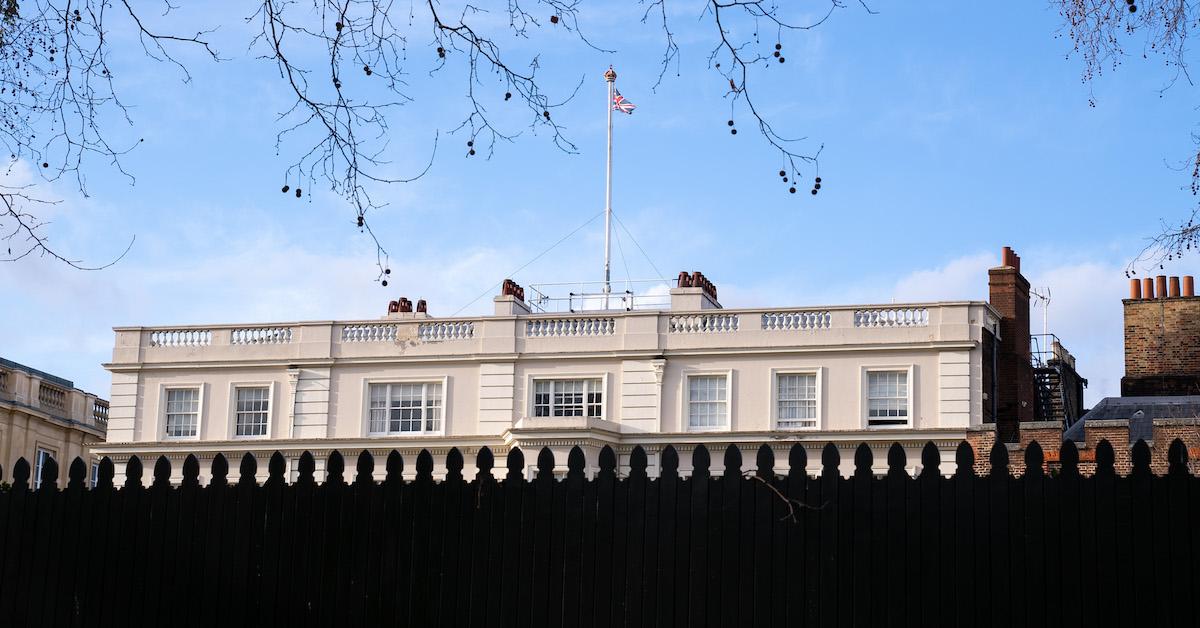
653 330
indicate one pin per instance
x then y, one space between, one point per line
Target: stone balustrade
638 330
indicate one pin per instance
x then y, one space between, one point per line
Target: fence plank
760 518
543 528
672 570
514 484
455 543
699 557
635 549
1181 552
573 560
827 539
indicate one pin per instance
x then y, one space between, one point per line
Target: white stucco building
691 373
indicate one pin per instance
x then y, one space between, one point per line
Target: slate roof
1110 408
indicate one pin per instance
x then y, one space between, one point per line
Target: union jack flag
622 105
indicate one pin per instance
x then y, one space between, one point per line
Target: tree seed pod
297 192
285 189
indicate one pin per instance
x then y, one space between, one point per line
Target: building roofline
585 313
65 383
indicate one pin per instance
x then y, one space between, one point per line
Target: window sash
708 403
252 410
796 400
39 461
405 408
887 398
182 412
568 397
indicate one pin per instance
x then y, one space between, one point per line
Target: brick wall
1162 346
1009 294
1116 432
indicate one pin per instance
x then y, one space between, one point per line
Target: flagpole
610 76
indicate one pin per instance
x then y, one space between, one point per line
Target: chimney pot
1160 286
1135 289
1189 286
1147 288
393 307
1174 287
422 306
683 281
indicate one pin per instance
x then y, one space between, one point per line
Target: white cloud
1085 307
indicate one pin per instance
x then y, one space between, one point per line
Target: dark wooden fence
742 547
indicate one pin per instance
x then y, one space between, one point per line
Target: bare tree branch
348 65
1101 33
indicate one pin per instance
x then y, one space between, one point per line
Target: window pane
887 398
183 409
568 398
796 396
706 401
406 408
252 411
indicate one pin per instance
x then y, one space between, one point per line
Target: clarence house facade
693 372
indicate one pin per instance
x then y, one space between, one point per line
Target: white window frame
864 389
605 397
94 477
200 408
685 406
365 408
37 463
773 394
233 411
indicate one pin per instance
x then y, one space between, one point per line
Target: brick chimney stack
1162 336
1009 294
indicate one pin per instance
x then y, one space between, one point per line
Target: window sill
404 434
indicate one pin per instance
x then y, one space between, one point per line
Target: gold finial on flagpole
610 75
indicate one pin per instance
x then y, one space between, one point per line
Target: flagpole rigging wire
526 264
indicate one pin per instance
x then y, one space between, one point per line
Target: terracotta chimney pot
1189 286
1147 288
1173 289
1160 286
1135 289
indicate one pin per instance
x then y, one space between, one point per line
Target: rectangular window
183 411
95 474
887 398
252 410
39 461
568 397
409 408
796 399
708 406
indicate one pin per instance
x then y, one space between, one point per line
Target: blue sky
950 129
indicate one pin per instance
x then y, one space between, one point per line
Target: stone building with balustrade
43 417
688 373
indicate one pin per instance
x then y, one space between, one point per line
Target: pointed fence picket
751 544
